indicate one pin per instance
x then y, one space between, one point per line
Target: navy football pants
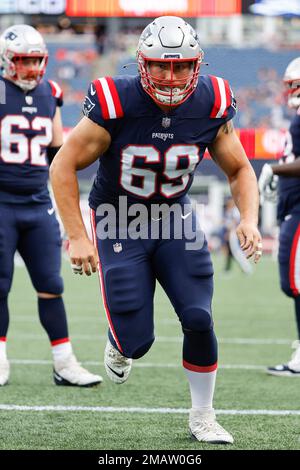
289 261
128 272
289 255
35 233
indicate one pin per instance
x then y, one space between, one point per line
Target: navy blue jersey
289 187
153 155
26 132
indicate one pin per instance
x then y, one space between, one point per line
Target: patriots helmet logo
11 36
233 100
88 105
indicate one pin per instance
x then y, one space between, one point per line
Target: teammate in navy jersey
31 133
286 175
150 133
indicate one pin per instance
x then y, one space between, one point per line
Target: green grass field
254 323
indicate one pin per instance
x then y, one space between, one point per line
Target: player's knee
197 319
199 264
141 350
52 285
123 290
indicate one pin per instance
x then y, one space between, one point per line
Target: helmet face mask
20 45
291 82
172 91
170 41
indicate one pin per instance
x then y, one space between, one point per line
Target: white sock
202 386
61 351
3 355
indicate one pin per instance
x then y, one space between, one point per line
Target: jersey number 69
149 182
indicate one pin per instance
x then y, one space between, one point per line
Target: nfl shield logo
166 122
29 100
117 247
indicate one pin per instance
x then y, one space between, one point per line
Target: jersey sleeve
56 92
102 103
224 104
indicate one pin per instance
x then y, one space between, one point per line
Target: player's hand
267 184
250 240
83 256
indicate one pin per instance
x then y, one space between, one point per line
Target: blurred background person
31 134
286 175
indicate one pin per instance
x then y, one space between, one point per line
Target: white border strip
160 339
221 85
141 365
109 99
58 90
42 362
112 409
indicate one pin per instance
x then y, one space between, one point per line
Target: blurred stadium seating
70 64
254 74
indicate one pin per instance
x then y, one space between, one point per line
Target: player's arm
228 153
85 143
57 136
287 169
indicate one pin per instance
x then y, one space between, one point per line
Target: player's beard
27 81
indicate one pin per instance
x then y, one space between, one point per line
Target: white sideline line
164 339
103 321
137 364
254 341
112 409
86 319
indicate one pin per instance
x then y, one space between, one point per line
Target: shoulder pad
223 97
108 97
56 90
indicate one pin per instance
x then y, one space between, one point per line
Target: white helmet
17 43
169 39
291 80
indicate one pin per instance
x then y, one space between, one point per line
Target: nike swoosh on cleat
115 372
50 211
57 377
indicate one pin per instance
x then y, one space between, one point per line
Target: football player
150 132
285 178
31 133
